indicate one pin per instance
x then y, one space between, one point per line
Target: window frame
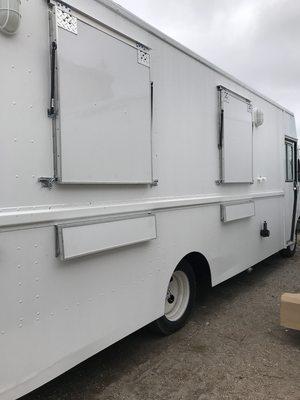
289 144
94 157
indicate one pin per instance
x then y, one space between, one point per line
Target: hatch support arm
52 108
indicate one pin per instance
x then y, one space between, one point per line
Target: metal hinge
249 107
143 56
47 182
225 97
65 19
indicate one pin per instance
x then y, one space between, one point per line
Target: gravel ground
232 348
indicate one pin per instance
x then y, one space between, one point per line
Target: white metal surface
59 313
104 97
80 240
233 212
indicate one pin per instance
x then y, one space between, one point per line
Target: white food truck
132 171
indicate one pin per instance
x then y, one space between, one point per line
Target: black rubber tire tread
290 250
166 327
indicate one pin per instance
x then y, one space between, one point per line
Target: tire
290 250
180 299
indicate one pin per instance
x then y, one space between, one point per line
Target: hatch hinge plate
65 19
143 56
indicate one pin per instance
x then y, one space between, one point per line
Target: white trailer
131 170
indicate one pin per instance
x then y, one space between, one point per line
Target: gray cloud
256 41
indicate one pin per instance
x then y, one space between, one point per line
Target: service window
289 161
235 137
104 118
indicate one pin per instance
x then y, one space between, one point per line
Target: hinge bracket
47 182
143 56
65 19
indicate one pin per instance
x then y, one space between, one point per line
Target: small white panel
232 212
77 241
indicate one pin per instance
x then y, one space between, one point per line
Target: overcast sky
258 41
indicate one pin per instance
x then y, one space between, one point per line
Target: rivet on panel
52 314
37 296
2 333
20 325
20 283
14 103
19 266
20 301
36 262
35 244
37 279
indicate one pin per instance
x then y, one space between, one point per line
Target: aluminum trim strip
51 215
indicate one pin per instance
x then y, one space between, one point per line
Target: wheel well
201 268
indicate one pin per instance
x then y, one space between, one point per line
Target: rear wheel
290 250
179 301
